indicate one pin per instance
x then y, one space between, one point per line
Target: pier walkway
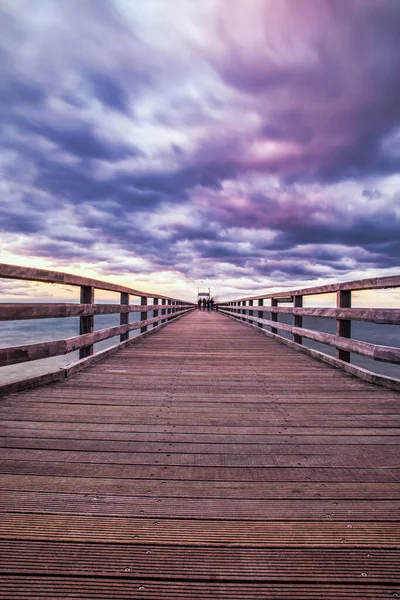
205 461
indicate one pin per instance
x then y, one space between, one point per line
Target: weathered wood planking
173 562
131 587
206 461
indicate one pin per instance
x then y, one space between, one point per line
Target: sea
14 333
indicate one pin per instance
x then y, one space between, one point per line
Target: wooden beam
17 311
274 316
343 326
124 317
251 312
86 323
375 283
143 314
260 313
155 312
297 319
31 274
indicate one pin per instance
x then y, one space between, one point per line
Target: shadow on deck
205 461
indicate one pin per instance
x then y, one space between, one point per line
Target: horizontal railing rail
163 309
247 311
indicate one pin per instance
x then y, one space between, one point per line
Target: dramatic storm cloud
233 143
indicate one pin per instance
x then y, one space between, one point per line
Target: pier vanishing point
207 457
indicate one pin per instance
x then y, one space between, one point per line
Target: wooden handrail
86 310
18 311
242 309
375 283
45 276
389 316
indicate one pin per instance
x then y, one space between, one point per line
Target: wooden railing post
343 326
86 324
274 316
250 311
260 312
297 319
169 309
243 311
124 317
155 312
143 315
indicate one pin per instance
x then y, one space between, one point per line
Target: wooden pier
205 461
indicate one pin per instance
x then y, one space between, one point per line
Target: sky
245 145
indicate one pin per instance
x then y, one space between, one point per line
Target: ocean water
14 333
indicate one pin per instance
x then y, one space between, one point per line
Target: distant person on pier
204 304
212 303
199 303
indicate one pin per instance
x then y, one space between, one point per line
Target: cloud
322 74
225 140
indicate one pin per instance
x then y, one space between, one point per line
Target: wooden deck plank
206 461
122 588
194 508
177 562
203 489
200 532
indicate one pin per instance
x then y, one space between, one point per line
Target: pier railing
164 309
254 309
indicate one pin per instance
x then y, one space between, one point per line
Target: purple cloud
212 139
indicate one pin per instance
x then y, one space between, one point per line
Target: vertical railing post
155 312
298 319
169 309
260 312
274 316
250 312
343 326
143 315
163 302
86 324
243 310
124 317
